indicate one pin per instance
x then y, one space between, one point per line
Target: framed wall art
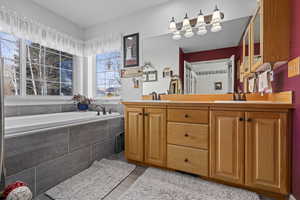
131 50
218 86
150 76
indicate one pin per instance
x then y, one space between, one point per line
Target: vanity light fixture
186 23
201 25
176 35
187 26
173 27
216 21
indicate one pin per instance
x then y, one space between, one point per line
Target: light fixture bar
193 22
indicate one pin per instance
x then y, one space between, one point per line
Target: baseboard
292 197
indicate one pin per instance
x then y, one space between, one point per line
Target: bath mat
93 183
157 184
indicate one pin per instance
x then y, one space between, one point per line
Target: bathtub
22 124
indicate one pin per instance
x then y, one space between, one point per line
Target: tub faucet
100 108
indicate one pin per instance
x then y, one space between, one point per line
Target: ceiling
229 37
86 13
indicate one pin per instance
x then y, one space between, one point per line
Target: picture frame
131 72
167 72
150 76
131 50
218 86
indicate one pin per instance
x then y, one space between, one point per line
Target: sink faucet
100 108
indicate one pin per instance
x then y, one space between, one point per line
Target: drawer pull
186 160
186 116
186 135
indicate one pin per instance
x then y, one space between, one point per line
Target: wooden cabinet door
266 151
227 146
134 134
155 136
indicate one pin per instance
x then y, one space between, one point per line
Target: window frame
94 72
39 99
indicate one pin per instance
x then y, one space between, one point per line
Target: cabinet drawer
189 116
191 135
187 159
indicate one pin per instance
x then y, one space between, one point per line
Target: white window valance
107 43
29 29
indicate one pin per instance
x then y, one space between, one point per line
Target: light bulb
186 23
200 20
216 27
216 18
202 31
176 35
189 33
173 26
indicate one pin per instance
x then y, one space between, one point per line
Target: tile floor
124 185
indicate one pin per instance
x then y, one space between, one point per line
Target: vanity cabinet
251 149
270 33
240 144
155 136
187 140
266 151
145 135
134 129
227 146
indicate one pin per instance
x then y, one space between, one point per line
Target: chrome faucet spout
100 108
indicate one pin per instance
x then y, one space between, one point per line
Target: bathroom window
48 72
32 69
10 51
108 66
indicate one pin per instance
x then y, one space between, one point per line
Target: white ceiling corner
86 13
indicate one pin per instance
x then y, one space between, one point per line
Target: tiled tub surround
22 124
45 158
21 110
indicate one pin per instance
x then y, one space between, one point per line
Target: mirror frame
258 63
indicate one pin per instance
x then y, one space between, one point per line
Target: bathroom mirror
205 64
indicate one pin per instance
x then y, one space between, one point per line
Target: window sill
113 100
36 100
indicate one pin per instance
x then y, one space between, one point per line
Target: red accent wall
181 65
283 83
210 55
206 56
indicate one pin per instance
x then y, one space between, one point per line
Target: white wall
31 10
161 52
206 83
154 21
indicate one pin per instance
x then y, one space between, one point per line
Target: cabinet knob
241 119
146 114
186 116
140 113
186 135
186 160
249 120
